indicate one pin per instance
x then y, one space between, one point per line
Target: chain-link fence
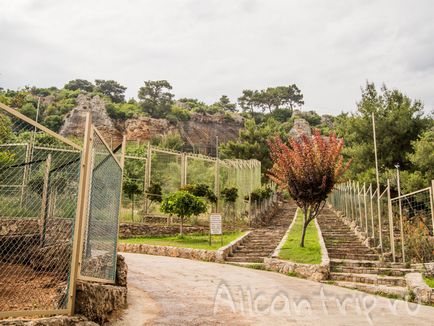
101 227
39 178
152 172
400 227
47 217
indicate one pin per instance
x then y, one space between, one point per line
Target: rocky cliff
199 133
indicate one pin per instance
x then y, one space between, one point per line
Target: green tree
399 121
112 89
156 98
79 84
170 140
28 110
272 98
184 205
423 155
131 188
252 142
224 103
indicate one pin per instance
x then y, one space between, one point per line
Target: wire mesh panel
201 171
38 200
413 226
101 230
166 170
134 189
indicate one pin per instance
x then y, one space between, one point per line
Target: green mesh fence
171 170
101 229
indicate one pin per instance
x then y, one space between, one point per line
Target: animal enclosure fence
149 168
59 205
401 227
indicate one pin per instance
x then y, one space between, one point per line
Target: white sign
215 224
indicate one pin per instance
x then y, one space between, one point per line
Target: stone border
416 285
188 253
313 272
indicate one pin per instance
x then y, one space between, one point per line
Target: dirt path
173 291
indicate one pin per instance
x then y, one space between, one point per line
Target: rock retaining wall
415 284
188 253
50 321
98 301
128 230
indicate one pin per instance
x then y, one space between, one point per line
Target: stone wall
128 230
50 321
188 253
98 301
422 292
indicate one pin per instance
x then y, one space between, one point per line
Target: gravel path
173 291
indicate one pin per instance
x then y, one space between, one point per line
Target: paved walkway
173 291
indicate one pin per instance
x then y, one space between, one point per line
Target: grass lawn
429 281
188 241
291 250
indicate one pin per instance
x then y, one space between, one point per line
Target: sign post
215 226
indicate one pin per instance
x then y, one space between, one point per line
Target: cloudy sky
207 48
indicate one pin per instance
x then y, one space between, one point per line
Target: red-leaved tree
308 168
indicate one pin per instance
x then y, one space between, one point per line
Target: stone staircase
354 265
264 239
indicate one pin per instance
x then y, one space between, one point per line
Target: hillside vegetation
405 133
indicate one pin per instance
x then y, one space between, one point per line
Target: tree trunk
303 233
181 226
132 208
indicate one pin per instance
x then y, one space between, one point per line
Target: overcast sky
206 48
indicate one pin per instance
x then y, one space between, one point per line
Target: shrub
419 245
184 205
201 190
229 195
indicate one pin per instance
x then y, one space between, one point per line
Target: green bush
229 195
184 205
201 190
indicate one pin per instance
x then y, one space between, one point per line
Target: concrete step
369 279
354 257
251 250
387 271
245 259
396 291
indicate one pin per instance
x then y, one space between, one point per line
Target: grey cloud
209 48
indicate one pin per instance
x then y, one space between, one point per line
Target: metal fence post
380 223
82 204
45 200
391 230
372 212
148 168
431 201
217 183
366 209
26 168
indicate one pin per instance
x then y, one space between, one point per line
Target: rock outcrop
75 120
301 127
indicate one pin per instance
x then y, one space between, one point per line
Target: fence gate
100 231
